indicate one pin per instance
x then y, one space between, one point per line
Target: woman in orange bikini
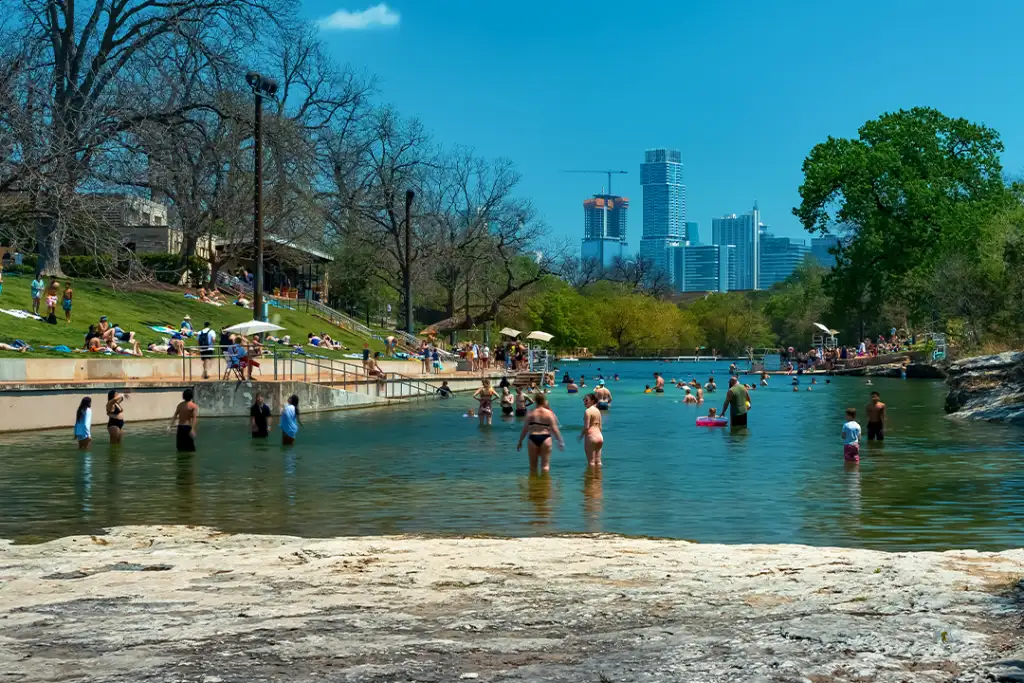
593 439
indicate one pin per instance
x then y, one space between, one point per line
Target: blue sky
744 89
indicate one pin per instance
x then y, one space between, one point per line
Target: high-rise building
692 233
661 176
820 250
744 233
780 256
604 228
701 268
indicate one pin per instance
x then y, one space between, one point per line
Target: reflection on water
934 483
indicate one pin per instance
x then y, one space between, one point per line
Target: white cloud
371 17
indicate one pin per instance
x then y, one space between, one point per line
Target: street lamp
260 86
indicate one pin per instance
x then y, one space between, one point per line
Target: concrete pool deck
194 604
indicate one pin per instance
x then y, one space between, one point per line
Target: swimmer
711 387
540 428
764 379
713 413
810 388
869 383
571 387
507 401
485 394
647 389
700 395
522 402
659 383
814 380
604 396
616 377
533 388
689 398
796 388
593 439
469 413
583 381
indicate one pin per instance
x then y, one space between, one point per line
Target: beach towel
163 329
61 348
276 304
20 314
191 296
354 356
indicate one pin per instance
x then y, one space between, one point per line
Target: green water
934 484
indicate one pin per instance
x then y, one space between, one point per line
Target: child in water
851 437
647 389
469 413
713 413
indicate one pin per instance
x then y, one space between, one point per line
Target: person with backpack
205 339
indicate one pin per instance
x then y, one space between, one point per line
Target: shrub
166 268
96 267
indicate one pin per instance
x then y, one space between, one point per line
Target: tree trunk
452 336
48 247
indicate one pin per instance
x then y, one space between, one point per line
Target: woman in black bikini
541 427
522 402
507 402
115 416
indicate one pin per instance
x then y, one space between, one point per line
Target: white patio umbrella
540 336
826 330
253 327
509 332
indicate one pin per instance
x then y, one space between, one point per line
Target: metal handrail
338 318
328 370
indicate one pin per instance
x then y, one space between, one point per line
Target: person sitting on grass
121 335
105 329
186 326
313 340
176 346
242 301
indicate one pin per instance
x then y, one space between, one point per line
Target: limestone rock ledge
193 604
987 387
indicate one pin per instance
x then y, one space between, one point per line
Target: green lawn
137 311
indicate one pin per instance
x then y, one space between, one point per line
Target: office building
743 232
604 229
664 205
701 268
820 247
780 256
692 233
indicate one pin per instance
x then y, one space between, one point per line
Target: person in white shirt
851 437
83 424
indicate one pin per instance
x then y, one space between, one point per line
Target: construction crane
608 173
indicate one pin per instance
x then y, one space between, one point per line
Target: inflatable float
712 422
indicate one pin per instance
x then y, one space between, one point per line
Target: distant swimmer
764 379
711 387
616 377
507 402
689 398
733 370
522 402
659 383
583 381
796 388
603 395
593 439
700 395
566 378
876 418
541 428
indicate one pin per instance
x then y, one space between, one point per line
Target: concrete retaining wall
51 408
231 399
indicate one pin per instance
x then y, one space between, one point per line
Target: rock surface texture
987 387
188 604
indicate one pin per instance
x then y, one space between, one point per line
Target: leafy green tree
795 304
731 322
915 185
564 313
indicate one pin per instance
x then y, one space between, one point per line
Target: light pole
259 85
407 284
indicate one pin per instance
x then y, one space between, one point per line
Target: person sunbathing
8 347
157 348
133 351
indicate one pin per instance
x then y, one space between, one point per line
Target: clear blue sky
743 88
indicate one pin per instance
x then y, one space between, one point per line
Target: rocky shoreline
192 604
987 388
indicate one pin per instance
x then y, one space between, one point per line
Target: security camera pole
259 85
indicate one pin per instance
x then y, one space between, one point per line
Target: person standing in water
540 428
593 439
851 437
507 402
83 424
290 421
485 395
115 416
876 418
603 396
522 402
737 400
259 418
186 417
659 383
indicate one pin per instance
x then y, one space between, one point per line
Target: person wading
737 400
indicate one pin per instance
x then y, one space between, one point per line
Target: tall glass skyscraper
701 268
744 233
820 247
780 256
604 229
661 176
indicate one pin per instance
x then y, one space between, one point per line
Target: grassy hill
138 308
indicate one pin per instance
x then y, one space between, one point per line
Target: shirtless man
659 383
186 416
876 418
604 396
